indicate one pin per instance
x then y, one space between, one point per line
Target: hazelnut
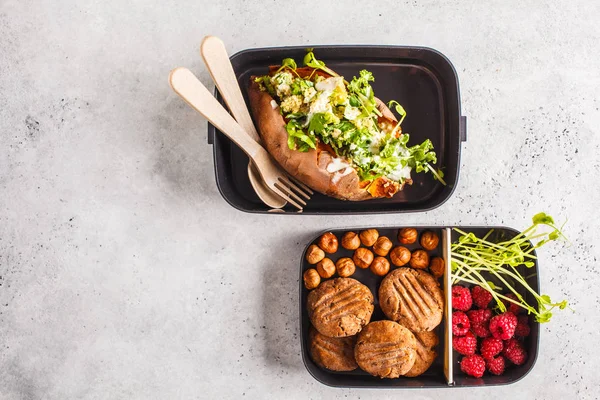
314 254
380 266
436 267
407 235
362 257
345 267
311 278
400 256
369 237
328 243
350 241
429 240
382 246
419 259
326 268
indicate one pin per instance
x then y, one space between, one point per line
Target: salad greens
471 256
345 116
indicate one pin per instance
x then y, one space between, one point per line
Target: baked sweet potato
308 148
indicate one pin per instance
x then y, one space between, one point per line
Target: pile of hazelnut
374 258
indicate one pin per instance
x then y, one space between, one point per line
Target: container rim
347 46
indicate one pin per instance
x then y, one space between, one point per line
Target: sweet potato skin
310 167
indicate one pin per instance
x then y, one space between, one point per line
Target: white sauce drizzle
339 175
336 164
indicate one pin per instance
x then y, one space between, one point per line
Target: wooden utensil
190 89
217 61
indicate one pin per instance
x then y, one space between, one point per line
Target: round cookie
336 354
385 349
412 298
340 307
425 343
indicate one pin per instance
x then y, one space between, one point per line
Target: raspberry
480 330
461 298
460 323
503 326
491 347
514 351
465 345
481 297
496 365
512 307
522 329
477 317
473 365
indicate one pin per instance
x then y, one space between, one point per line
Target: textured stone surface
124 274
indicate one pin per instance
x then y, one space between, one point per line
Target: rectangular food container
441 373
421 79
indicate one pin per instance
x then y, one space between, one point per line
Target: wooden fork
217 62
190 89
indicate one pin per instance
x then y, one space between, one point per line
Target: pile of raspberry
486 341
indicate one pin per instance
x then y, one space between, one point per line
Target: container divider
448 364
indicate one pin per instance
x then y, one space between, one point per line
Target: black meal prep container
421 79
434 377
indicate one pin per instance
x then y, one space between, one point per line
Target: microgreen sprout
290 64
472 257
400 110
311 61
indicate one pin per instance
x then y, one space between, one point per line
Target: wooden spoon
217 61
190 89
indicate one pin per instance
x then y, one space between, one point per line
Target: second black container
434 376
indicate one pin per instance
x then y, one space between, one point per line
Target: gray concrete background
124 274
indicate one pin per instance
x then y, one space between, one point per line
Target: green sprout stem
311 61
498 297
479 280
436 174
363 100
472 257
499 274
